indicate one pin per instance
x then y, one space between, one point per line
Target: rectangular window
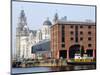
71 38
89 38
89 27
71 32
81 38
76 33
71 26
63 33
63 27
89 33
63 39
81 26
81 32
89 45
63 45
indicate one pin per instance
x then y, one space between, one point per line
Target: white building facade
26 38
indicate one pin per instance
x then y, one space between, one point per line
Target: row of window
81 32
81 38
89 45
81 27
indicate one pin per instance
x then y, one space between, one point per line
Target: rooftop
76 22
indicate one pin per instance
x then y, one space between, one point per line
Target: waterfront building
44 32
59 39
73 37
24 38
42 47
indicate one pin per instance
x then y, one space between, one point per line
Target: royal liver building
26 38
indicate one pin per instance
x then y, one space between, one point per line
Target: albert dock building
71 37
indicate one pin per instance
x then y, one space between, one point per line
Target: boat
85 60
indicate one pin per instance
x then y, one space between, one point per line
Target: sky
37 13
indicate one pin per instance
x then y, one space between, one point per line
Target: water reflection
52 69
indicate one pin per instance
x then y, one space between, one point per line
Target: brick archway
76 48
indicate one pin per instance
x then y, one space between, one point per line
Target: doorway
63 54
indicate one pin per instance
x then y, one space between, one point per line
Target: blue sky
37 13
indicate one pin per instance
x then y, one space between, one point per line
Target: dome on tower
25 31
25 28
47 22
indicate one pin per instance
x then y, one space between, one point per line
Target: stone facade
26 38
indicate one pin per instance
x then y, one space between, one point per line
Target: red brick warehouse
68 38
